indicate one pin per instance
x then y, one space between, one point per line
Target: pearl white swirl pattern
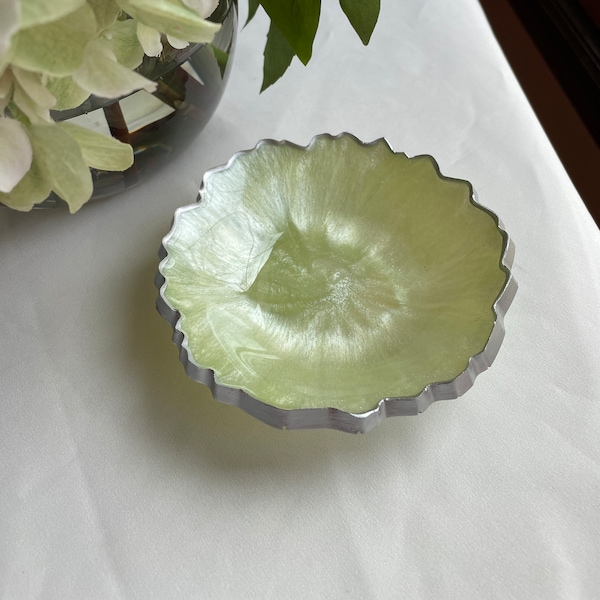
335 285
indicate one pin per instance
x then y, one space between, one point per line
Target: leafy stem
294 25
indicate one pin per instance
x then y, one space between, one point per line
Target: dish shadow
182 414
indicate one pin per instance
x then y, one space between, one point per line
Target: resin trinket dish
334 285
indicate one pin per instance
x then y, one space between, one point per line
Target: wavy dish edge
333 418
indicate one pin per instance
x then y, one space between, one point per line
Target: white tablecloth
122 478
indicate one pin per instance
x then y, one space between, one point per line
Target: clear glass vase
161 124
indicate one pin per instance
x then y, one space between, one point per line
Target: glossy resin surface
333 276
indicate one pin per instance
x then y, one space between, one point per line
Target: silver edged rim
333 418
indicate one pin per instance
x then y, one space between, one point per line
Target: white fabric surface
121 478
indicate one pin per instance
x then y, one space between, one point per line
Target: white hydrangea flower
54 55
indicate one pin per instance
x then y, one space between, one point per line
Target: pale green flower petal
31 96
56 48
122 39
172 17
204 8
39 12
149 39
3 104
61 160
106 12
32 85
6 84
176 43
34 112
67 93
9 23
5 59
15 153
100 151
102 75
34 188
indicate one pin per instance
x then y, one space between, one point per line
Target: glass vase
160 125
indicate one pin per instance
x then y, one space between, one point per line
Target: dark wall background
553 47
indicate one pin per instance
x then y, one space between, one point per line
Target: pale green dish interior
334 276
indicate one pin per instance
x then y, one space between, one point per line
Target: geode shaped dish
336 284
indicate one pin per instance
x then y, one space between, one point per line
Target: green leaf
67 93
298 21
15 153
102 75
61 161
278 56
55 48
172 17
100 151
39 12
221 57
252 8
363 15
34 188
122 39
